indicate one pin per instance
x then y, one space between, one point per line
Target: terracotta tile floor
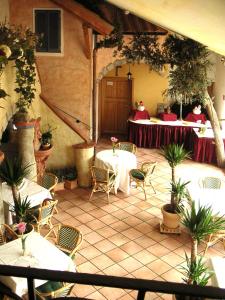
122 238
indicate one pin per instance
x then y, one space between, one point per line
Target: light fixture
129 74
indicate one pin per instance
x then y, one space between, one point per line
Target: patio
122 238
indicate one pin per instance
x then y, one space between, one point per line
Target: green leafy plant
180 194
200 223
13 172
21 209
46 136
175 154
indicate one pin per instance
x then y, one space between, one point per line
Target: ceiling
201 20
129 23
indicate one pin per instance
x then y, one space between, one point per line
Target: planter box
59 186
70 184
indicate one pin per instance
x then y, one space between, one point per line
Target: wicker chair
103 180
6 234
49 181
127 146
42 216
53 289
68 239
142 177
210 183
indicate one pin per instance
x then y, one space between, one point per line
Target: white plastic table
41 254
36 194
121 163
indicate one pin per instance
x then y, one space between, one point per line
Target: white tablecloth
41 254
209 197
36 194
121 163
217 265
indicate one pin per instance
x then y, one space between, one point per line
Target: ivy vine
21 43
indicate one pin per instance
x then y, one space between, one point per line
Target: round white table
121 163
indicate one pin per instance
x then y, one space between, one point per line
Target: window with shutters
48 28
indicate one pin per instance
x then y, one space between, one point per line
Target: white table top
207 134
217 265
121 163
41 254
36 193
154 121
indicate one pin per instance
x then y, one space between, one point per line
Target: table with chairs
41 253
120 163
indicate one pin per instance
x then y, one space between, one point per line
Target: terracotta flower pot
70 184
170 220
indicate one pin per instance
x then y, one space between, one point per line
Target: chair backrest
210 183
63 291
6 234
100 174
49 181
148 168
127 146
69 238
45 212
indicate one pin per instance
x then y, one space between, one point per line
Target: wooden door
116 105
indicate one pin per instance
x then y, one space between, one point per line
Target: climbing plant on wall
18 43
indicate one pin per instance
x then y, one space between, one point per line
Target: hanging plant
18 43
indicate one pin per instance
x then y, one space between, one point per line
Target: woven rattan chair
53 289
68 239
103 180
127 146
142 177
210 183
49 181
214 238
42 216
6 234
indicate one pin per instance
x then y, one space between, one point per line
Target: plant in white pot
200 223
175 155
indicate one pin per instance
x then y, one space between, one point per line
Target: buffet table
155 133
204 146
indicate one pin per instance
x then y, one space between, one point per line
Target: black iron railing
140 285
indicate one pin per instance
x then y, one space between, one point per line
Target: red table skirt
168 117
157 136
204 149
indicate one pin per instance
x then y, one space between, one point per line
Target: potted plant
46 138
174 154
71 179
13 172
200 223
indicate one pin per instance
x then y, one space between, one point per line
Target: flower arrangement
114 140
21 227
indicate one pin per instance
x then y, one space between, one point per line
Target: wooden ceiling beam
87 44
86 16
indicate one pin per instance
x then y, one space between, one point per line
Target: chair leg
207 244
108 196
92 192
153 188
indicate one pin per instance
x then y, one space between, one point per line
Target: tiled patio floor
122 238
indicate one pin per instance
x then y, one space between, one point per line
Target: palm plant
21 209
200 223
175 154
12 172
179 192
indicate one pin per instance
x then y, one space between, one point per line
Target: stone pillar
25 146
2 217
84 158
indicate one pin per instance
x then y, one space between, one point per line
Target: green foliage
22 42
21 210
195 272
46 135
144 48
12 171
175 154
113 40
201 222
180 193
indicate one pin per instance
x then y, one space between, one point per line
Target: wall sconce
129 74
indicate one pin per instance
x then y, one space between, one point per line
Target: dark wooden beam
85 15
87 44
